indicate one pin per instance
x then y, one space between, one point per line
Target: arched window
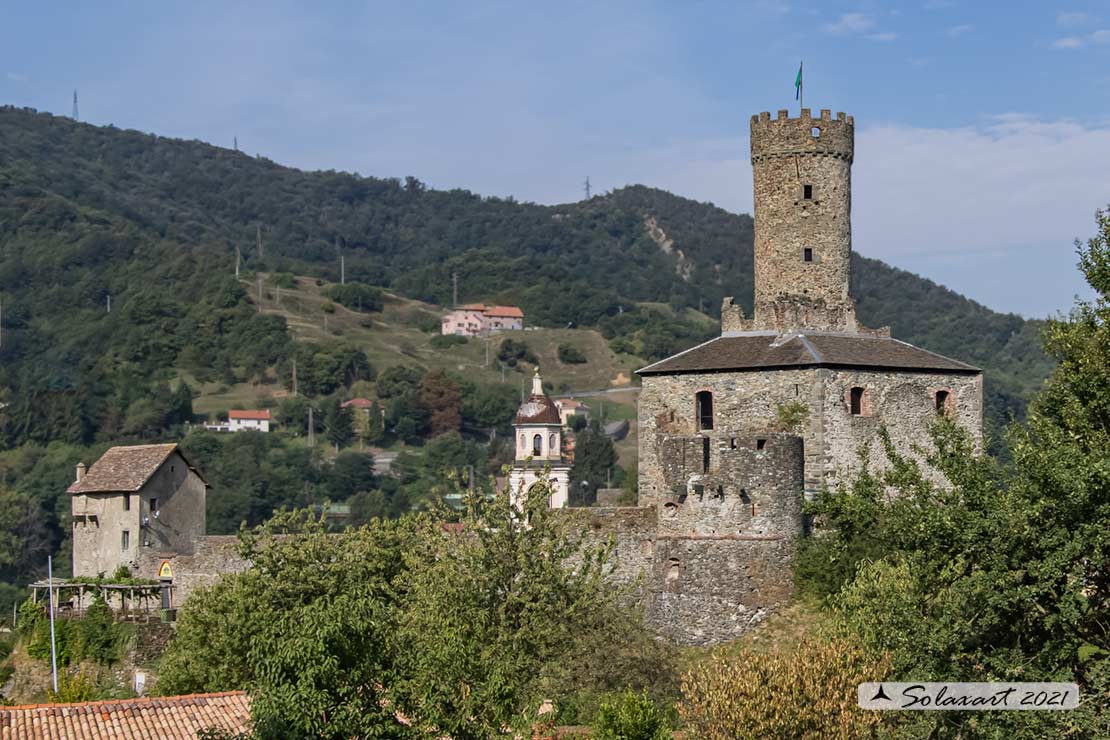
943 402
537 444
703 402
551 444
855 401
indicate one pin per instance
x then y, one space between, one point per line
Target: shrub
327 307
283 280
73 687
356 296
813 688
791 416
630 716
511 352
445 341
571 355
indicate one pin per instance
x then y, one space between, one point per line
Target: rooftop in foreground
168 717
765 350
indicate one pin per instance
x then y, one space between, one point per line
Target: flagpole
801 87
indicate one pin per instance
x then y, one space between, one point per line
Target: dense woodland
98 217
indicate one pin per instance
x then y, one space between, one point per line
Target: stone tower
802 170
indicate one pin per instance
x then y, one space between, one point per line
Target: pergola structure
125 599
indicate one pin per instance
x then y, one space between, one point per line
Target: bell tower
802 171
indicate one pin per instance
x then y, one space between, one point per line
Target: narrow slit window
856 401
705 455
125 540
807 192
154 506
807 254
127 503
942 401
704 403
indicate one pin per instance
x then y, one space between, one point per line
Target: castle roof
768 350
162 717
126 468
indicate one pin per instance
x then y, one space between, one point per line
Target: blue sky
983 128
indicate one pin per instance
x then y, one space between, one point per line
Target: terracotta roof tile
257 414
123 469
358 403
761 350
506 311
538 409
168 717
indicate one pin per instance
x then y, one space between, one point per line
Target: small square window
760 444
807 192
807 254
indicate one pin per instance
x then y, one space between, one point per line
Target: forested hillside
117 255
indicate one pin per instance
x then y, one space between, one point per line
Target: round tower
802 170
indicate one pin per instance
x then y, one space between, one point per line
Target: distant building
242 420
569 407
539 449
141 497
476 319
360 411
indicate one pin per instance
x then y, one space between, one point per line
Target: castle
733 433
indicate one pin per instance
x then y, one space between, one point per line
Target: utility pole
238 258
259 294
258 240
2 325
342 270
487 353
235 139
311 430
50 589
75 118
294 376
454 290
109 303
587 184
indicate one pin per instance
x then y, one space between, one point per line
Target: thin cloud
1070 19
960 30
1101 37
1068 42
850 23
884 36
16 77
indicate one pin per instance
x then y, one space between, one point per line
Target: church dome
538 408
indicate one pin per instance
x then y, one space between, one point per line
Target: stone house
134 499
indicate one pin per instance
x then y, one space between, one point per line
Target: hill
91 212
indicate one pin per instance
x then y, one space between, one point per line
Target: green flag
798 83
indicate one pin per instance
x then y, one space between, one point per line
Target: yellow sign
164 570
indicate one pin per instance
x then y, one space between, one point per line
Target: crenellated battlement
805 135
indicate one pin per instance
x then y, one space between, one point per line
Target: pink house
475 319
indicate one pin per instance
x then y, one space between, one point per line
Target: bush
511 352
571 355
327 307
813 688
356 296
791 416
283 280
630 716
445 341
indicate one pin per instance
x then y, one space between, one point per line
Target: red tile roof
165 717
123 469
250 414
511 312
358 403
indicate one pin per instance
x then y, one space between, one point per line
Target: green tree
595 458
338 423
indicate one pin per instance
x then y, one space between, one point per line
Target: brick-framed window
943 402
859 401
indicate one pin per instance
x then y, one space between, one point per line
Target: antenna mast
587 184
75 116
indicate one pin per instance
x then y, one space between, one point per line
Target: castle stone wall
747 403
212 556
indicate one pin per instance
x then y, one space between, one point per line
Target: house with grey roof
135 499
